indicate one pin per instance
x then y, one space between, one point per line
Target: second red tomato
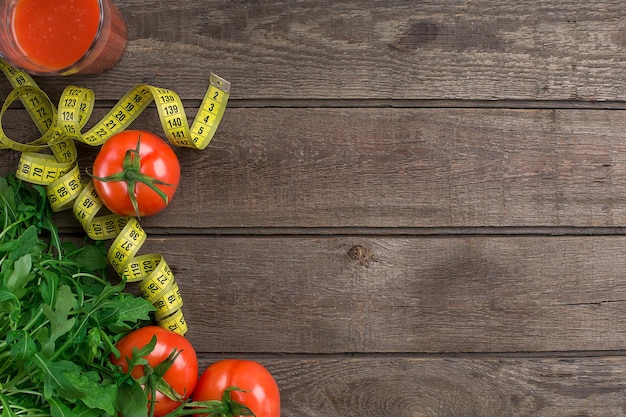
181 376
136 173
260 391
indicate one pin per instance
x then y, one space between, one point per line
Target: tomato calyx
132 175
153 379
227 407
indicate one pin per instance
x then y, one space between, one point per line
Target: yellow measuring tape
60 127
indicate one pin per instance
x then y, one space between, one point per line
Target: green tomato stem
227 407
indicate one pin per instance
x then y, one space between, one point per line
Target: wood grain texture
450 387
392 49
421 167
355 294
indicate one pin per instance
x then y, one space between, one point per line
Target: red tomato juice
56 33
62 37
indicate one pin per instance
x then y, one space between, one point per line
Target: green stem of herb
55 239
34 321
70 340
92 276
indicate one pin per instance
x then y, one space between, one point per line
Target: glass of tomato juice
62 37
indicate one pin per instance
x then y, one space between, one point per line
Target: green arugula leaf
5 190
92 341
58 409
89 257
132 400
8 301
81 410
23 346
95 394
55 378
20 275
60 323
48 286
65 379
122 314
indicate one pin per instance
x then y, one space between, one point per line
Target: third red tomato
261 397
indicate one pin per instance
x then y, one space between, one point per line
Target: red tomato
262 396
136 173
182 376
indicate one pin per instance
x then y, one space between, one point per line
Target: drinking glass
62 37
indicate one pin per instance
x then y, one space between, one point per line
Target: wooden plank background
411 208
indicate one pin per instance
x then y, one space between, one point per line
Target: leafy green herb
60 316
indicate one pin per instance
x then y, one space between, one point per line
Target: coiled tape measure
60 128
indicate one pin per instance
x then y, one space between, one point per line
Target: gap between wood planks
486 231
561 355
406 103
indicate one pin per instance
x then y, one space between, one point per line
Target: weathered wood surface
486 387
397 168
410 208
357 294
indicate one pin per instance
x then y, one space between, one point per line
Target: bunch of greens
60 317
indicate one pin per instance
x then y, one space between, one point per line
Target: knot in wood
358 253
